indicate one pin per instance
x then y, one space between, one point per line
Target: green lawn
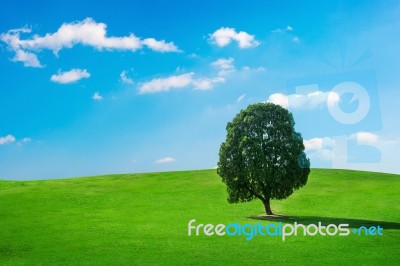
143 218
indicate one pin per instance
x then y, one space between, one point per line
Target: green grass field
143 218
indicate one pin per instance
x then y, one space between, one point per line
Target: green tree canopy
263 156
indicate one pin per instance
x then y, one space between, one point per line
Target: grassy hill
143 219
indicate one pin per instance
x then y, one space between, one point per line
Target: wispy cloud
306 101
97 97
207 83
319 148
296 39
223 66
364 137
324 155
165 160
27 58
279 99
281 30
160 46
373 139
26 140
224 36
240 98
318 143
166 84
70 76
86 32
257 69
23 141
288 30
125 78
7 139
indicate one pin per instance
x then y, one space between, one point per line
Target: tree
263 156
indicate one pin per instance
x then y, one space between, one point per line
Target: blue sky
139 86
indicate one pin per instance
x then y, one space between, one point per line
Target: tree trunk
267 207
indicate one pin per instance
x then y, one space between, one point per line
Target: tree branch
255 194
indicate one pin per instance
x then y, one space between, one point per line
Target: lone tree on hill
263 156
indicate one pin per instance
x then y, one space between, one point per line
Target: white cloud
13 40
7 139
166 84
125 78
319 148
29 59
224 36
311 100
318 143
223 63
160 46
203 84
179 82
313 144
12 37
86 32
224 67
363 137
165 160
333 99
325 155
240 98
335 149
70 76
207 83
279 99
97 97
